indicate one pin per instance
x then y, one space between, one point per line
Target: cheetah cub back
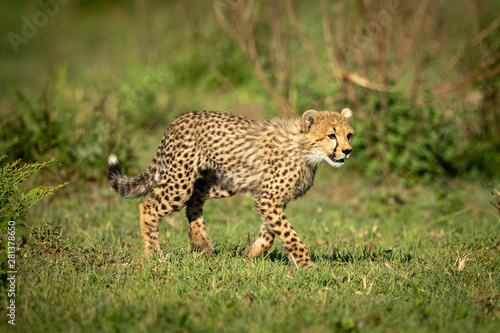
206 155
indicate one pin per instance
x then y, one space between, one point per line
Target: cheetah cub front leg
276 224
263 243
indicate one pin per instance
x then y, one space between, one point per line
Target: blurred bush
409 140
421 77
80 137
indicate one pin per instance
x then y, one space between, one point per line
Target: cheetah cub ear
347 113
308 119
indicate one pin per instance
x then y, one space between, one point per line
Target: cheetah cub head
326 137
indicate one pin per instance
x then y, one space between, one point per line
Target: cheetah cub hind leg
204 189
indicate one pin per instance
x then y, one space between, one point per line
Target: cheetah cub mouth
336 162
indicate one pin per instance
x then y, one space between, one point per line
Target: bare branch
473 43
335 65
243 35
444 89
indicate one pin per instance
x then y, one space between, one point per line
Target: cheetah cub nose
347 151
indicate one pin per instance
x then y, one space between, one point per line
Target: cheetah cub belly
274 160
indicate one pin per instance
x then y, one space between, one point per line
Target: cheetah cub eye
332 136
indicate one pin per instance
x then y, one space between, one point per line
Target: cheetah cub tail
130 187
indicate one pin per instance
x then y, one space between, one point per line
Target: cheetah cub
273 160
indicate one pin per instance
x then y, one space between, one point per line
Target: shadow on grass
333 254
235 251
47 241
360 255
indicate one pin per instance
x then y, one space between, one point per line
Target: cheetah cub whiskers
273 160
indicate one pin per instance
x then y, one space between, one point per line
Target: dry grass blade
496 196
462 260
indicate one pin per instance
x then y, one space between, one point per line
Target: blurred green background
81 79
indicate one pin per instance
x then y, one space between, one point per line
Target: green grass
388 259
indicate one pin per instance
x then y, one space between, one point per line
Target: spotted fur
273 160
